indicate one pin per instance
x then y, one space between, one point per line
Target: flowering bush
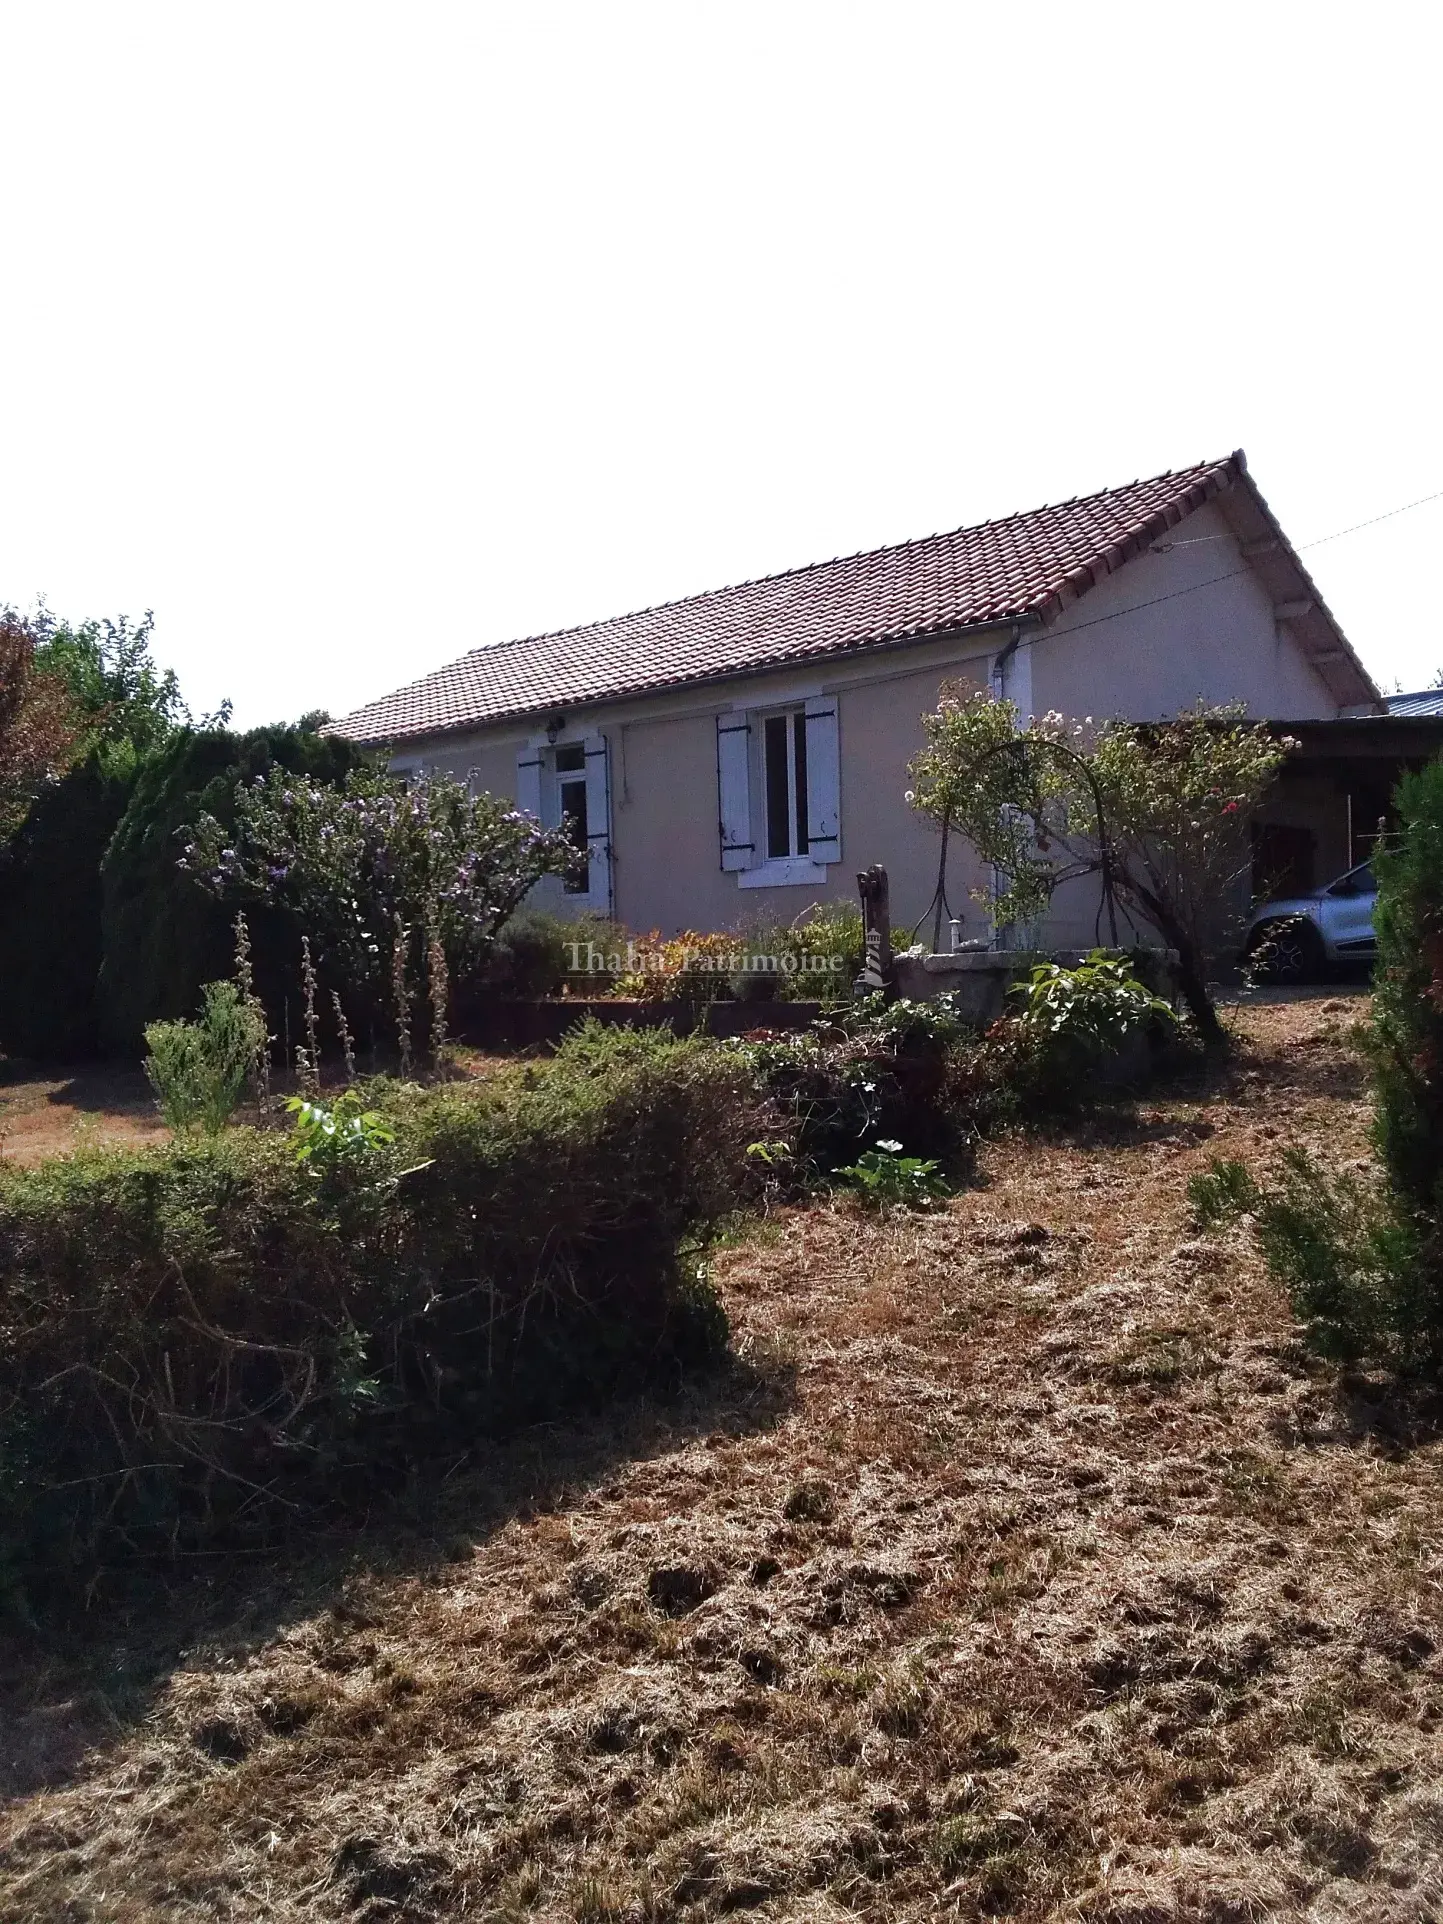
1174 800
348 860
690 967
813 958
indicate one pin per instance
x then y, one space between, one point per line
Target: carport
1333 793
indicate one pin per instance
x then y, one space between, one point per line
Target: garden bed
526 1024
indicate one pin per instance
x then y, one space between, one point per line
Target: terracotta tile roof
1027 565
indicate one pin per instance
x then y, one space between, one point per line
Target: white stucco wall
1172 628
1207 630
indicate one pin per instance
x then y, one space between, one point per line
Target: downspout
999 667
999 693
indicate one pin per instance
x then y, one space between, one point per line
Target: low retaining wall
980 978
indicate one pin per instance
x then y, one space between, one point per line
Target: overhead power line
1233 573
1421 502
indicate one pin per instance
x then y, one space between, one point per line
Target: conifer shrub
1361 1252
209 1342
50 914
1408 1003
163 935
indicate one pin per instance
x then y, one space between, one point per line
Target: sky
348 338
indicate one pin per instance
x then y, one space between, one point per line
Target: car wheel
1284 952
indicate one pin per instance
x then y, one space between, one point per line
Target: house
729 759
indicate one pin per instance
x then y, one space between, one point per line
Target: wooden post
876 976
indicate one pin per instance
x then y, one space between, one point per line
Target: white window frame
743 818
789 718
559 779
539 786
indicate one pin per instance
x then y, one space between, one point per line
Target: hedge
201 1344
50 942
162 934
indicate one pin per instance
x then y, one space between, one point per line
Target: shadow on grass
76 1677
1391 1414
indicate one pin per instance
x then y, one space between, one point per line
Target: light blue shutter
528 781
598 823
824 781
733 781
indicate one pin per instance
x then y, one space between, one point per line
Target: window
571 809
785 749
567 785
778 793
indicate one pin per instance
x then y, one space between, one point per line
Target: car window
1358 881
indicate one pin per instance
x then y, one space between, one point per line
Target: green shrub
373 861
879 1069
198 1069
916 1026
1334 1242
1084 1014
205 1342
1224 1190
533 956
830 931
1408 999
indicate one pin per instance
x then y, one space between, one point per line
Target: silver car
1294 938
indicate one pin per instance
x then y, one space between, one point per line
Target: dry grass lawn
48 1112
52 1112
1024 1566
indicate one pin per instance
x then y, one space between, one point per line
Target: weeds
1221 1192
341 1136
886 1179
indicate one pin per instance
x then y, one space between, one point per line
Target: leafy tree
1174 800
350 861
126 706
38 733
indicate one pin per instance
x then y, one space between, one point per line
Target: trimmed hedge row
203 1342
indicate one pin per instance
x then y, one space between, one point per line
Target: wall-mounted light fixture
554 726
